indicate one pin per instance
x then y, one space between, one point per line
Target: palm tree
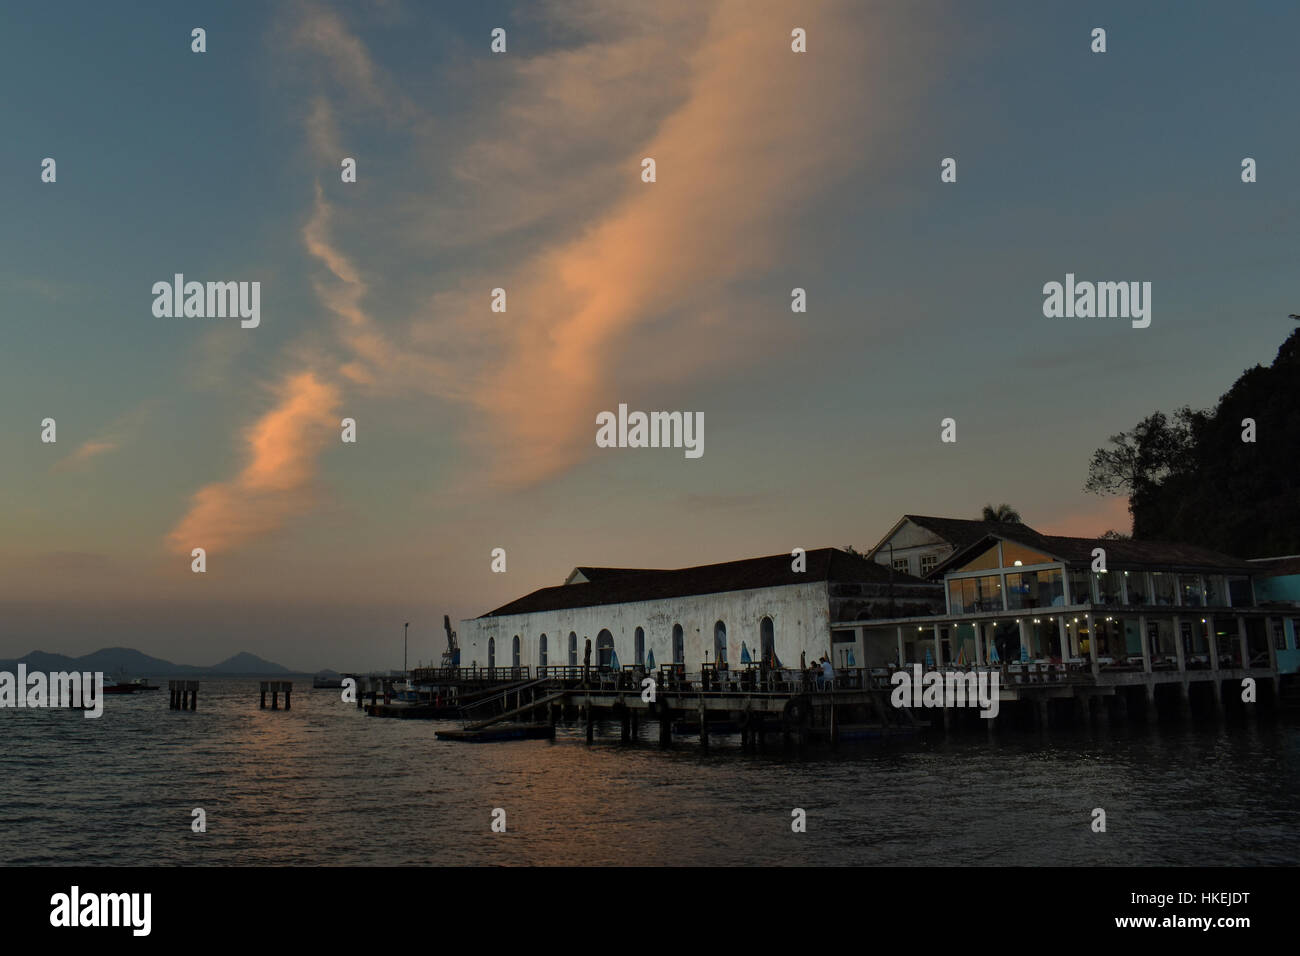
1002 512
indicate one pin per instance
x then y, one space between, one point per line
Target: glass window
1216 590
928 563
1139 591
986 560
1034 589
1080 587
988 592
968 595
900 564
1239 589
1193 592
541 650
1107 583
1012 552
1163 588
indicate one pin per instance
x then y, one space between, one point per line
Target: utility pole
404 627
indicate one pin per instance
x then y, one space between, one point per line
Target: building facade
782 605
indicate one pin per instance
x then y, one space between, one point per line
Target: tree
1003 512
1205 478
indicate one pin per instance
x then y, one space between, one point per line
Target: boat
113 687
142 683
328 683
499 732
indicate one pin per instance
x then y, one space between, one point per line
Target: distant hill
133 663
246 663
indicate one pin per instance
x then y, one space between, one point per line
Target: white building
693 616
917 544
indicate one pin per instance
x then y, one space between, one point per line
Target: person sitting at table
828 672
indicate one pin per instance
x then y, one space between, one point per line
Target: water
325 785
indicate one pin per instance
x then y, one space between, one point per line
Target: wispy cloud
281 448
118 433
613 283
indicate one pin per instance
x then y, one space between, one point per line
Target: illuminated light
1018 563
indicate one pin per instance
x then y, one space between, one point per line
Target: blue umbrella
744 654
929 658
613 659
993 654
1024 653
650 660
852 662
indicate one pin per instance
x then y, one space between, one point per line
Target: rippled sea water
323 784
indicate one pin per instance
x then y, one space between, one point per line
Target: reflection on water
323 784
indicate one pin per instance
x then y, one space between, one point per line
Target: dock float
499 732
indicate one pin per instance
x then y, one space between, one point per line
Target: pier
184 694
275 688
755 702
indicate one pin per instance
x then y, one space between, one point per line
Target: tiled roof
824 564
609 574
1275 567
963 532
1120 552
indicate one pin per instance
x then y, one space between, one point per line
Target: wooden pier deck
754 702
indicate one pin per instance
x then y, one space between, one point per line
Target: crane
451 656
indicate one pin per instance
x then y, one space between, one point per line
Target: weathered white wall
800 616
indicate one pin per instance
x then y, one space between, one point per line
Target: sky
522 170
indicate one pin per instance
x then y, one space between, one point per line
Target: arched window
639 647
492 652
514 652
766 641
541 650
679 645
605 649
720 643
573 649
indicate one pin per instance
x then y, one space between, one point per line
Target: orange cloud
761 128
276 481
84 453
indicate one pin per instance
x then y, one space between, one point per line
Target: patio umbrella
961 657
744 654
1024 653
613 659
993 653
852 662
929 658
650 659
